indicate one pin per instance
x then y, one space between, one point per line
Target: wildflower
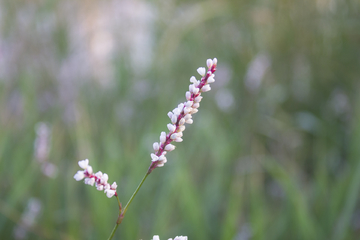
99 179
183 114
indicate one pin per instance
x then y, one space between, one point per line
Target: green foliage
278 160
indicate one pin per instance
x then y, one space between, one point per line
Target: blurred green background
273 153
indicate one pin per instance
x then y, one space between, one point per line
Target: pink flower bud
201 71
79 175
209 63
169 147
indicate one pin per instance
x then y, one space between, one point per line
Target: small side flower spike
183 114
99 179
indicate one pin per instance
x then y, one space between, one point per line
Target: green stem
132 197
113 231
123 211
116 225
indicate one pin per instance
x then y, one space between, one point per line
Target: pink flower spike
99 179
183 113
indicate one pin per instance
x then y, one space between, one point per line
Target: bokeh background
273 153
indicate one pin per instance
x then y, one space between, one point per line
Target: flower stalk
179 116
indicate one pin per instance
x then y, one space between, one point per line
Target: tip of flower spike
84 163
209 63
215 61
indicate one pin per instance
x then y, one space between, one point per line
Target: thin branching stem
123 211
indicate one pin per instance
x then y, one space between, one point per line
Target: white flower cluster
99 179
156 237
183 114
